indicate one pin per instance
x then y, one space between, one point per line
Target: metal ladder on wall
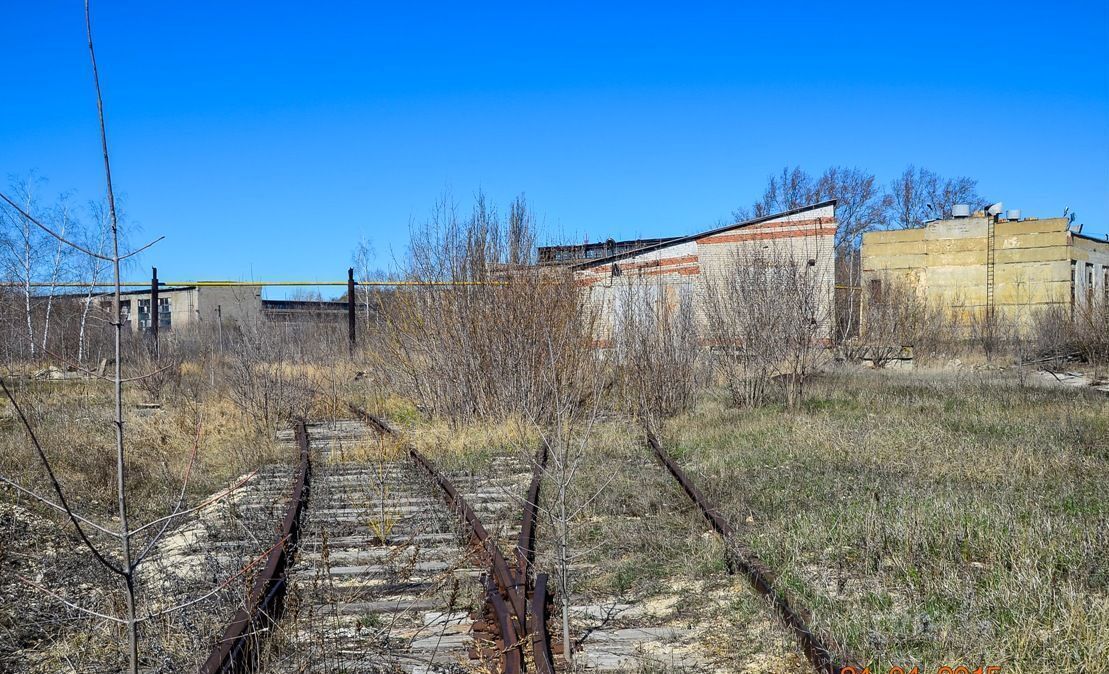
991 222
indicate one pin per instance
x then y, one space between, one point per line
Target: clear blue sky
262 139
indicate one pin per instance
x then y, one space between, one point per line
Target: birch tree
23 249
97 235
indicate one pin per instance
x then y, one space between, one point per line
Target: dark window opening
164 315
875 290
144 314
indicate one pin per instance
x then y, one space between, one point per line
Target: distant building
973 262
806 236
182 306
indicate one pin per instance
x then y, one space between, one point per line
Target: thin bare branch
54 481
140 249
227 581
70 604
200 506
55 506
32 219
177 508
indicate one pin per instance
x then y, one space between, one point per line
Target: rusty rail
508 593
236 651
821 656
525 546
511 616
540 637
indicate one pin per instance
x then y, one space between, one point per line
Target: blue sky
263 139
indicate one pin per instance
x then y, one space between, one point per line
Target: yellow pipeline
253 284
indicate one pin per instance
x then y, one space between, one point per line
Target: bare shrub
1091 329
895 316
261 377
989 331
472 340
156 374
657 348
1059 332
767 316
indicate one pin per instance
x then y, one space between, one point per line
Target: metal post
154 309
350 309
219 322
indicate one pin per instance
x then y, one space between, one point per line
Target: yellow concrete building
971 263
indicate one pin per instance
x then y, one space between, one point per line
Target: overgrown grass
72 420
934 522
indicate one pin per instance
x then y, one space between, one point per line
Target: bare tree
64 223
861 203
97 236
566 427
361 260
767 317
657 346
126 561
919 195
24 246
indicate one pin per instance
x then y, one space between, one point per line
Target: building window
164 313
1073 281
1089 285
124 311
144 314
875 290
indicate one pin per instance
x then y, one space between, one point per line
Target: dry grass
925 522
937 520
72 419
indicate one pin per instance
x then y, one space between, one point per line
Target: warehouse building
679 265
181 307
981 264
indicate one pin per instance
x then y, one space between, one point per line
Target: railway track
817 648
377 576
514 614
369 572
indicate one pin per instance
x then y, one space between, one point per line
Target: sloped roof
700 235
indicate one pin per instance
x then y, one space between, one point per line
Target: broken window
165 316
144 314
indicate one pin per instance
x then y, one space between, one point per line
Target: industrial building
680 265
980 264
180 307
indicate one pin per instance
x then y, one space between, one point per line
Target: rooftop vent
960 211
1013 214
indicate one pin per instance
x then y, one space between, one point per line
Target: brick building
805 236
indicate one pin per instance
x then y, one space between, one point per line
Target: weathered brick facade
679 267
